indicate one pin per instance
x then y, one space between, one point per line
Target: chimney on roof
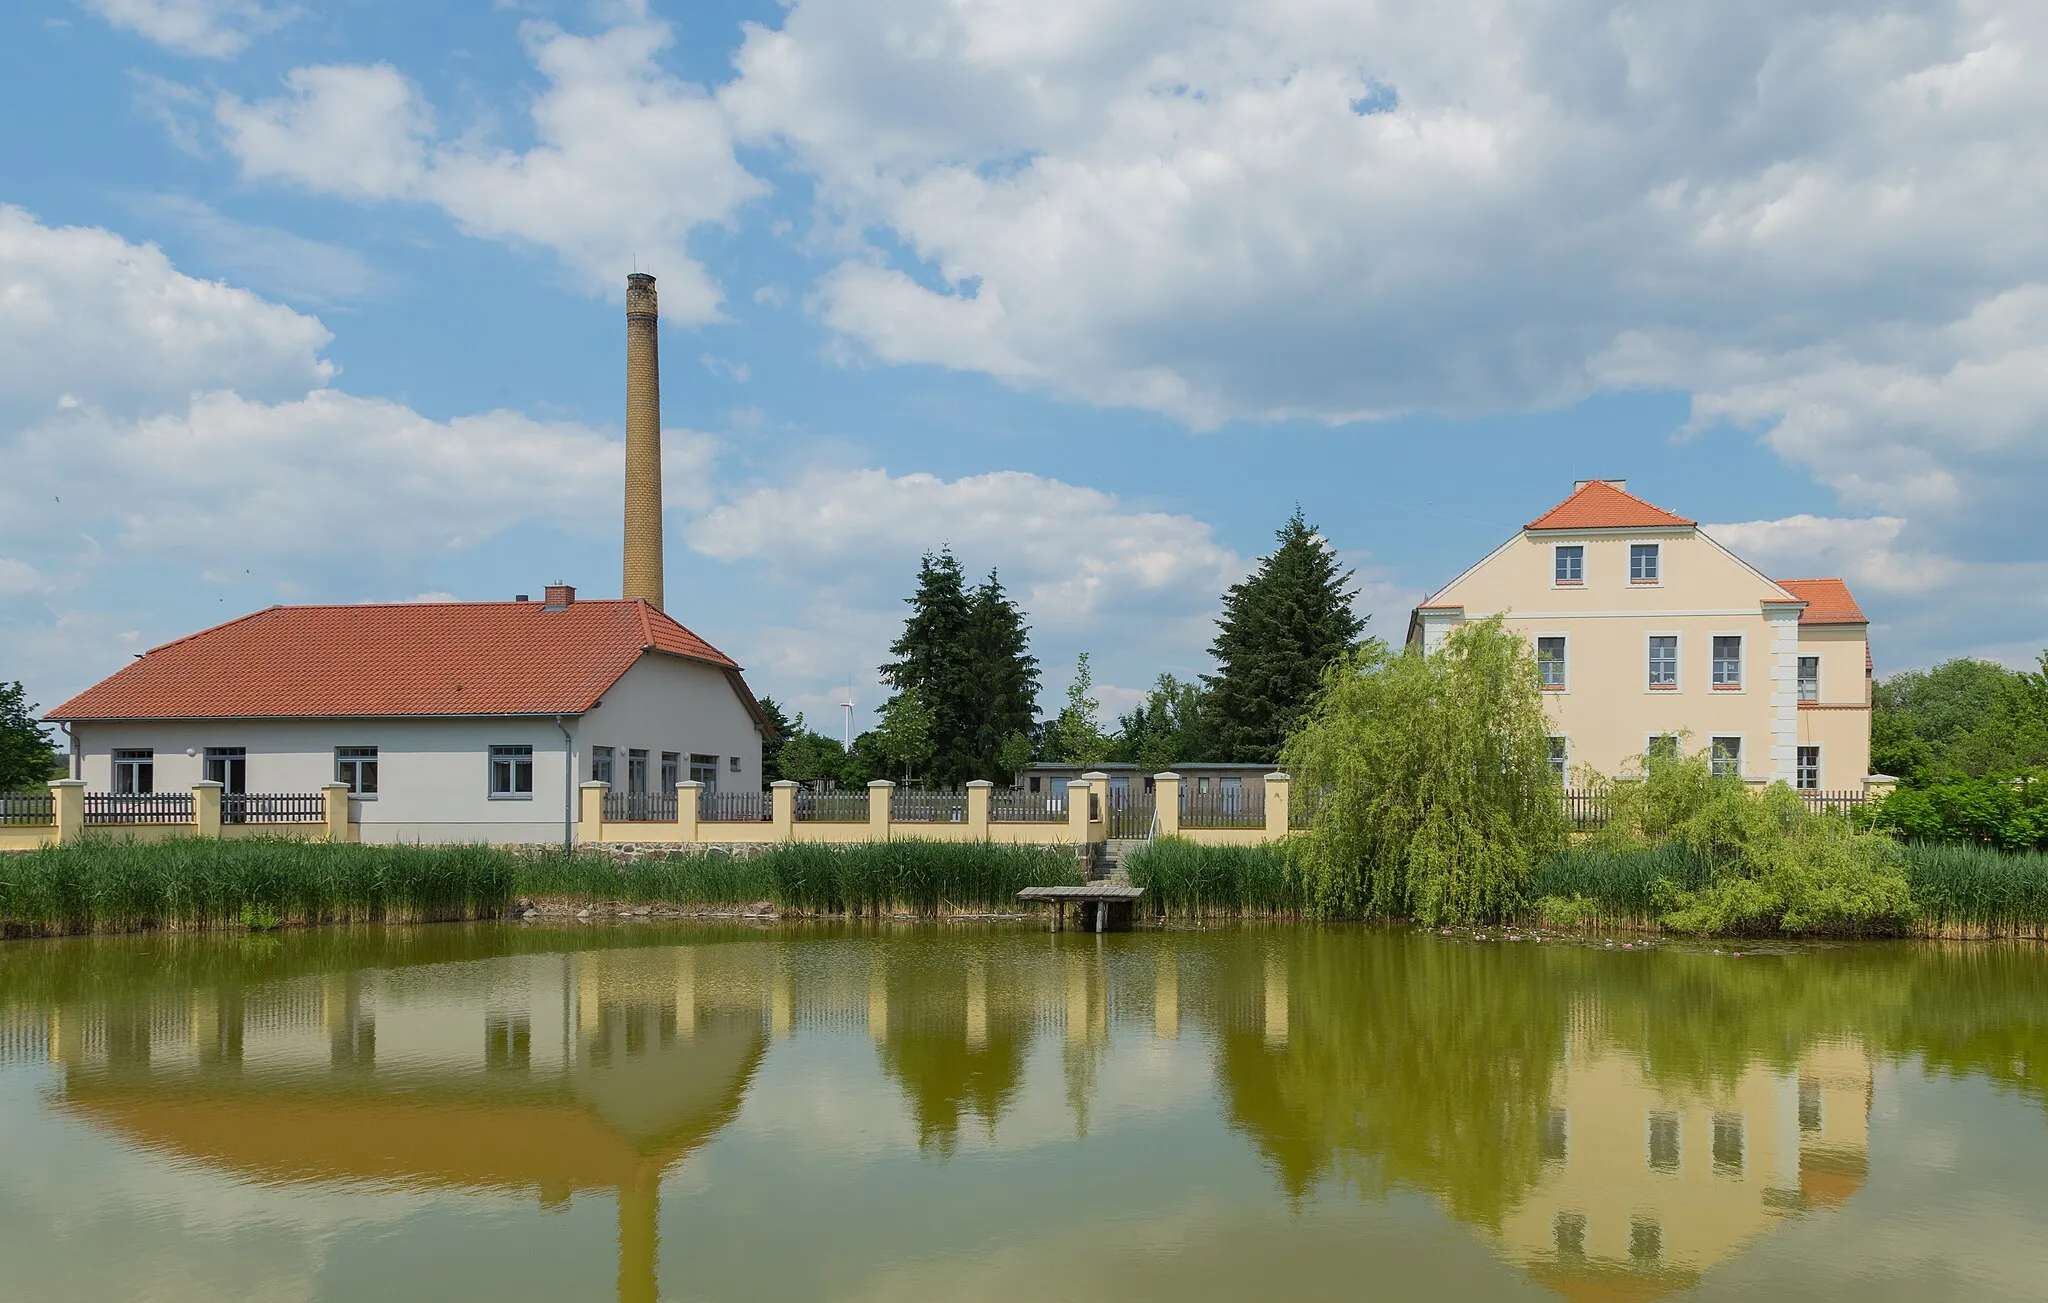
643 443
1580 484
522 597
557 597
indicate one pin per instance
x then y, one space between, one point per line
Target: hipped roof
1601 504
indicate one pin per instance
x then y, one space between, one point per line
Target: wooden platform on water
1100 907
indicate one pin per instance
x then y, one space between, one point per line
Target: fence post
67 814
206 808
1278 788
1098 808
1077 810
879 811
590 814
782 800
1878 786
1166 803
334 808
978 793
688 792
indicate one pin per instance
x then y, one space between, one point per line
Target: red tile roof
1827 601
426 658
1602 504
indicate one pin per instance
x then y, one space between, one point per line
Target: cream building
1646 629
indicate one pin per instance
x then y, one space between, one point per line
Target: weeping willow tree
1427 782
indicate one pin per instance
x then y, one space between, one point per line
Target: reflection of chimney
643 443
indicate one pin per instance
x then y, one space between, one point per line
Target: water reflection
1611 1126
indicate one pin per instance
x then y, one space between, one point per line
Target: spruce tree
1002 680
932 660
1279 628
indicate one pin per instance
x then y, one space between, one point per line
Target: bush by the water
2010 813
1698 852
861 878
104 885
1183 878
1426 781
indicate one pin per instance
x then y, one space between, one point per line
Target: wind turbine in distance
846 738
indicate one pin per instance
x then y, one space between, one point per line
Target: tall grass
1618 885
1187 879
101 885
863 878
1978 889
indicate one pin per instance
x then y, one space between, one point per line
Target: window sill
1567 583
1728 687
511 796
1664 688
362 796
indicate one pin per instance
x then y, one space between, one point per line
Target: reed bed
101 885
926 878
1185 879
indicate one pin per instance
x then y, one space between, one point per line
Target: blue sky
305 302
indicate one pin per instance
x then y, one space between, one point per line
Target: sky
306 302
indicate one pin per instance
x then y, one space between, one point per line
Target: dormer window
1569 567
1644 564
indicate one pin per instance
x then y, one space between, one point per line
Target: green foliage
1604 883
1014 755
1427 782
103 885
1963 718
966 653
1183 878
905 734
1172 726
811 758
771 748
1978 889
862 878
1076 736
1280 628
26 758
2009 813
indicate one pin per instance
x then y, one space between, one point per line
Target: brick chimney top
558 597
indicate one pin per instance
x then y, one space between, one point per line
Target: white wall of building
666 703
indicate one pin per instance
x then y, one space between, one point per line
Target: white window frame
603 763
349 769
703 769
512 753
1798 785
1650 740
1561 765
671 770
136 761
1657 547
1741 684
1741 741
735 764
1536 645
1677 662
1556 560
1798 684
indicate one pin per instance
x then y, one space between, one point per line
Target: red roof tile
1827 601
427 658
1602 504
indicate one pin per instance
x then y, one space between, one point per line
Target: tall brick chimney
643 443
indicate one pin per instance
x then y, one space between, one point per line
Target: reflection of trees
958 1023
1406 1062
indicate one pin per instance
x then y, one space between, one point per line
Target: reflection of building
590 1072
1644 1188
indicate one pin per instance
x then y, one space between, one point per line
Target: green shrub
2009 813
1182 877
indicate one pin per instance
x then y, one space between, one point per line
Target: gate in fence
1130 813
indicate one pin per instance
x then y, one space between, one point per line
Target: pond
985 1112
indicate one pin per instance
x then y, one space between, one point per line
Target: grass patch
1188 879
1975 890
863 878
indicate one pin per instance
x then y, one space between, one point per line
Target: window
735 764
1809 678
1201 784
511 773
600 764
1558 751
1727 661
1645 1242
1661 746
1570 567
1728 1144
228 766
671 770
356 766
1570 1233
636 772
1232 789
134 772
508 1042
1664 662
704 769
1806 769
1809 1107
1725 757
1034 783
1642 563
1557 1136
1663 1142
1550 662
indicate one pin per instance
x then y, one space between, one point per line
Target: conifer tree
1279 628
931 658
967 654
1002 679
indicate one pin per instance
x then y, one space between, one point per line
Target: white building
459 721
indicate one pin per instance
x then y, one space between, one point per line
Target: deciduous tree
26 757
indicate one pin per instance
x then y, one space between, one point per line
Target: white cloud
213 29
271 260
1863 551
627 159
19 578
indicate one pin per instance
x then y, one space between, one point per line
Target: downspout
71 742
568 789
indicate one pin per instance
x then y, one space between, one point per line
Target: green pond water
995 1113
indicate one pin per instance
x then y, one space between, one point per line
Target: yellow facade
1615 689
